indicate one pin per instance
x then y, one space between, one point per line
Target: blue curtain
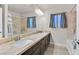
58 20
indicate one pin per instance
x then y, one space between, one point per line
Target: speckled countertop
8 49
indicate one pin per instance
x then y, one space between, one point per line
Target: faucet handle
74 44
78 42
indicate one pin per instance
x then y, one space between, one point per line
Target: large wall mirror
16 25
23 25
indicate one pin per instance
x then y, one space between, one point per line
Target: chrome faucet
74 44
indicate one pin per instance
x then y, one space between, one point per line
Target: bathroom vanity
35 44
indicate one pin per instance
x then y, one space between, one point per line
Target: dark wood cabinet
28 52
39 48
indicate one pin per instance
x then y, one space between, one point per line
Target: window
31 22
58 20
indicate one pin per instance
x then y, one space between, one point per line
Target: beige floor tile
56 50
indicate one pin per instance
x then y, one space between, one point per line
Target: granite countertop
9 49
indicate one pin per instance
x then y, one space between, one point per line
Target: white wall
77 24
0 22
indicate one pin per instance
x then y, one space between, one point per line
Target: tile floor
56 50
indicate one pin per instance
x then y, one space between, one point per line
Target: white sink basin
21 43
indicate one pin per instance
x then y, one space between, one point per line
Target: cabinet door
37 51
36 48
43 47
0 22
48 39
28 52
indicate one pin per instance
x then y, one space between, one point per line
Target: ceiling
30 8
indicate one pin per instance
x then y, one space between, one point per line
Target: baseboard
58 44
